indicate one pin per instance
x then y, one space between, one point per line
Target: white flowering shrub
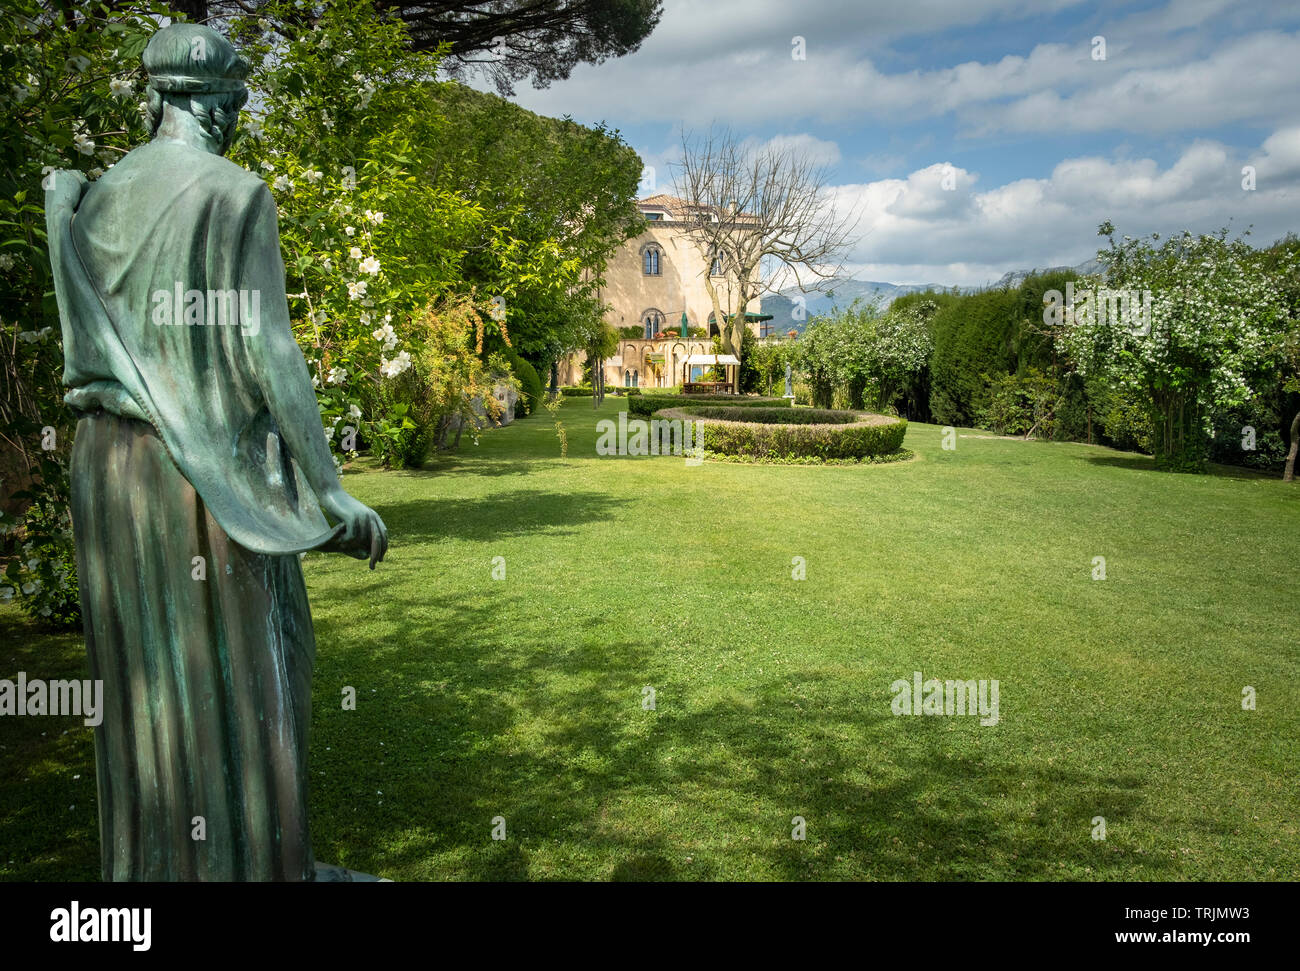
1218 317
71 91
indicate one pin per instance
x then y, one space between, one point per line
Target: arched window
653 321
713 326
715 264
652 260
627 379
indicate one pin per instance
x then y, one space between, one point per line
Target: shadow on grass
491 517
1137 462
552 736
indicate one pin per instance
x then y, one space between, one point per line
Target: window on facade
715 267
654 215
653 321
650 264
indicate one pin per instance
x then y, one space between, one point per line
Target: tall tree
503 40
765 214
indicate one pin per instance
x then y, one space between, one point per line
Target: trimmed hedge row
647 405
776 416
580 391
831 435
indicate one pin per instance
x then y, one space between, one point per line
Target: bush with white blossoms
367 243
1218 317
70 87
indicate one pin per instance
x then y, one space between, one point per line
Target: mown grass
523 697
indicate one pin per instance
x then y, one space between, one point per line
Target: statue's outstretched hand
364 534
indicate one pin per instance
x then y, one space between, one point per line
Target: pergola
727 361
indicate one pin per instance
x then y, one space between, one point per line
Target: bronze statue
199 470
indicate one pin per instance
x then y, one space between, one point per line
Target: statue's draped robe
187 509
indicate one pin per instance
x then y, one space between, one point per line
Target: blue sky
1045 140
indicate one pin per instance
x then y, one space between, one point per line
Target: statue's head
197 70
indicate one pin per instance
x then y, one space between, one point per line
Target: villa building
656 299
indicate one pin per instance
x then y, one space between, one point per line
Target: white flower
121 88
339 60
391 369
82 141
326 120
386 336
337 375
350 230
313 175
6 262
369 265
32 587
282 183
267 166
32 336
315 380
254 127
329 433
374 217
357 289
365 320
327 263
96 172
355 252
354 412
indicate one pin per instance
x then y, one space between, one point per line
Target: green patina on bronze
199 469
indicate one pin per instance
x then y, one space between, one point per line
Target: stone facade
650 281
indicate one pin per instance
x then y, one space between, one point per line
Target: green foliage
818 359
70 85
973 337
1219 315
531 390
42 575
1019 403
768 357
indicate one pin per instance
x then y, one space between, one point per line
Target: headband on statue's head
183 84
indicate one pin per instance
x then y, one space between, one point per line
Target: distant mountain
1016 277
840 293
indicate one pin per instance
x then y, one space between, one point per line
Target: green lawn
522 697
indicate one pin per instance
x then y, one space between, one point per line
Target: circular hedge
781 433
647 405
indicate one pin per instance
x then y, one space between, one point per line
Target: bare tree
765 213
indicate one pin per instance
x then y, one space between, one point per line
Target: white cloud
917 232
